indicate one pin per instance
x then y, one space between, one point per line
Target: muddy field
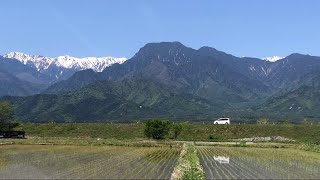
258 163
81 162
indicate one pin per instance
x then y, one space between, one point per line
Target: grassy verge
308 134
188 166
301 146
84 130
308 147
88 142
247 144
210 132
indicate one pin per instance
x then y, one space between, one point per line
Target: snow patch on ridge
42 63
272 58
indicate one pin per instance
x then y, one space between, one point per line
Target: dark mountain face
122 100
79 79
173 81
285 72
303 100
21 80
204 73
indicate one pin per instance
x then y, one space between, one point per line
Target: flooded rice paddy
119 162
258 163
82 162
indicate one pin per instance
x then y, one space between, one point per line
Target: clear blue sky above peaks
80 28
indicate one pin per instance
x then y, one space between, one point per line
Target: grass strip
188 166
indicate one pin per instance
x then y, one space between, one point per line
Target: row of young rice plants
282 163
216 169
258 163
88 162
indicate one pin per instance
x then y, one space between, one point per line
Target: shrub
215 137
307 121
176 129
263 121
156 128
136 122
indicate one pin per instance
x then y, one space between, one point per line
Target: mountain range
24 74
170 80
62 67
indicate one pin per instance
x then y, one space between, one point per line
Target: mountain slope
170 80
106 101
18 79
303 100
285 72
181 68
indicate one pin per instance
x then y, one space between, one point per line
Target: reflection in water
262 163
222 159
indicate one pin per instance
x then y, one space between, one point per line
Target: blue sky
256 28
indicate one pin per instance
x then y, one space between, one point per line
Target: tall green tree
176 129
6 116
156 128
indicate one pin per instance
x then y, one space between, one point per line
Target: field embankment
188 166
190 132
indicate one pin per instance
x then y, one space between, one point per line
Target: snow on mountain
272 58
42 63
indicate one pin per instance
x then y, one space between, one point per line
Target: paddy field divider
188 165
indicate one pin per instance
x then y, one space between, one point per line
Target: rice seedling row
88 162
253 163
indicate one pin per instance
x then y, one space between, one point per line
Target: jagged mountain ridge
181 67
176 66
62 67
22 74
211 78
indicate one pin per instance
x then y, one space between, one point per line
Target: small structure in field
12 134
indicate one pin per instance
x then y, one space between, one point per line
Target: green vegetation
304 101
160 129
89 142
106 101
6 116
194 171
162 159
309 147
190 132
156 128
176 129
84 130
188 166
211 132
263 121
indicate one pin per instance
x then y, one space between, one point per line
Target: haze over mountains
170 80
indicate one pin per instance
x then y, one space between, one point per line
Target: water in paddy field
65 162
258 163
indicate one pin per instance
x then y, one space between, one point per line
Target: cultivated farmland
258 163
85 162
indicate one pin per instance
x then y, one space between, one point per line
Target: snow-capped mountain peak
272 58
42 63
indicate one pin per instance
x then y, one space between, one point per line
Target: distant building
12 134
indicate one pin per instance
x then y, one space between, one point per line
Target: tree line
159 129
7 121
